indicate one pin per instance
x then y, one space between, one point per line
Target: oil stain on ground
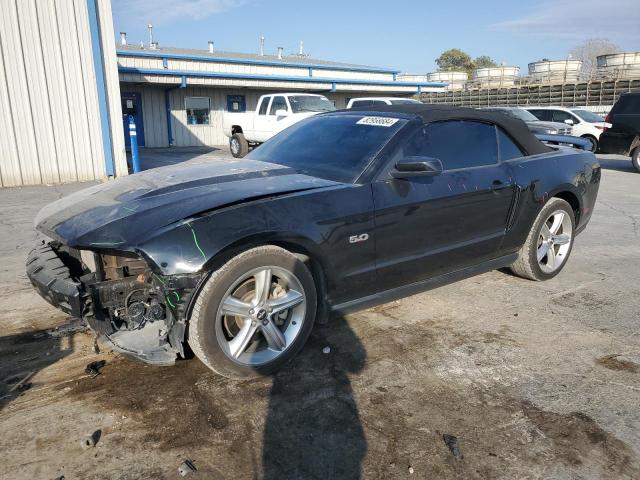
612 362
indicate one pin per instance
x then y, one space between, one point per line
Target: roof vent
123 38
210 46
280 50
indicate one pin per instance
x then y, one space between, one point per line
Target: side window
545 115
198 110
236 103
263 106
561 116
457 143
507 148
279 103
361 103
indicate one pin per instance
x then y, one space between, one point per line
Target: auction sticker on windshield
377 121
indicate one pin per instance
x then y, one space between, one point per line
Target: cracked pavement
535 380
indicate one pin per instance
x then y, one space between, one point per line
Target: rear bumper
615 143
52 279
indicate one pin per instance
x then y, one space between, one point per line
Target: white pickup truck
274 113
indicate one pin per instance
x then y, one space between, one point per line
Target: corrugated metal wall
50 128
184 135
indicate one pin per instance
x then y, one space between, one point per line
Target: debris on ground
411 470
326 350
93 369
91 441
186 468
74 325
19 384
451 441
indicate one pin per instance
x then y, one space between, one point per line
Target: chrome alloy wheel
260 315
235 146
554 241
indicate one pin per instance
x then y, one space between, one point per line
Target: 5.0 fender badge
359 238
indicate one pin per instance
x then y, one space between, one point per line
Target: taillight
607 119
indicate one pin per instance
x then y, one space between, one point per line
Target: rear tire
547 248
635 158
594 143
238 145
254 313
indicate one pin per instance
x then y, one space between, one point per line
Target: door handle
498 185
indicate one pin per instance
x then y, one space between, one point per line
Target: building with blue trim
66 91
179 96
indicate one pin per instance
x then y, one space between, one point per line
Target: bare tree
589 50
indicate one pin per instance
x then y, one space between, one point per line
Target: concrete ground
535 380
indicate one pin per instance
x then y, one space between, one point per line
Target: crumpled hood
122 212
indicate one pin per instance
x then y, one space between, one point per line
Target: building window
236 103
198 110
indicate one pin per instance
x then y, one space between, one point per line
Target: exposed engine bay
138 312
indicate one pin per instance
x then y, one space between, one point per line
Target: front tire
635 158
238 145
254 313
548 245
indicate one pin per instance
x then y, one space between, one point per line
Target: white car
371 101
274 113
584 123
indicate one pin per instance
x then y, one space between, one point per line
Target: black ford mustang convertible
342 210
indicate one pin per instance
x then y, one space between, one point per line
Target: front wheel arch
303 248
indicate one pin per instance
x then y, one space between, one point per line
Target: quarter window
457 143
198 110
508 149
278 103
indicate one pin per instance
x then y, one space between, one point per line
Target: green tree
454 60
484 61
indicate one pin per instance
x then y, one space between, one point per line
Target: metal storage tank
555 71
624 65
456 80
503 76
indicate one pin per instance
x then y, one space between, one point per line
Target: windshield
588 116
307 103
404 101
334 147
521 114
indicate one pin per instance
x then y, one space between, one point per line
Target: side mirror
568 121
415 166
282 113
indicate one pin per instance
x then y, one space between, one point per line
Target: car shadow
621 164
23 355
313 428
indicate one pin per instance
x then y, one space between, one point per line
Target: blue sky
404 34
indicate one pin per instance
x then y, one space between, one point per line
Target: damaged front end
130 307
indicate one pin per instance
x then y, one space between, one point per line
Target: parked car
273 114
340 211
584 123
623 138
535 125
375 101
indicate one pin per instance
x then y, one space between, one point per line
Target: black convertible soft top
514 127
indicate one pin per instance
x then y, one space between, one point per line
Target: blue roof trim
277 78
96 49
249 61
